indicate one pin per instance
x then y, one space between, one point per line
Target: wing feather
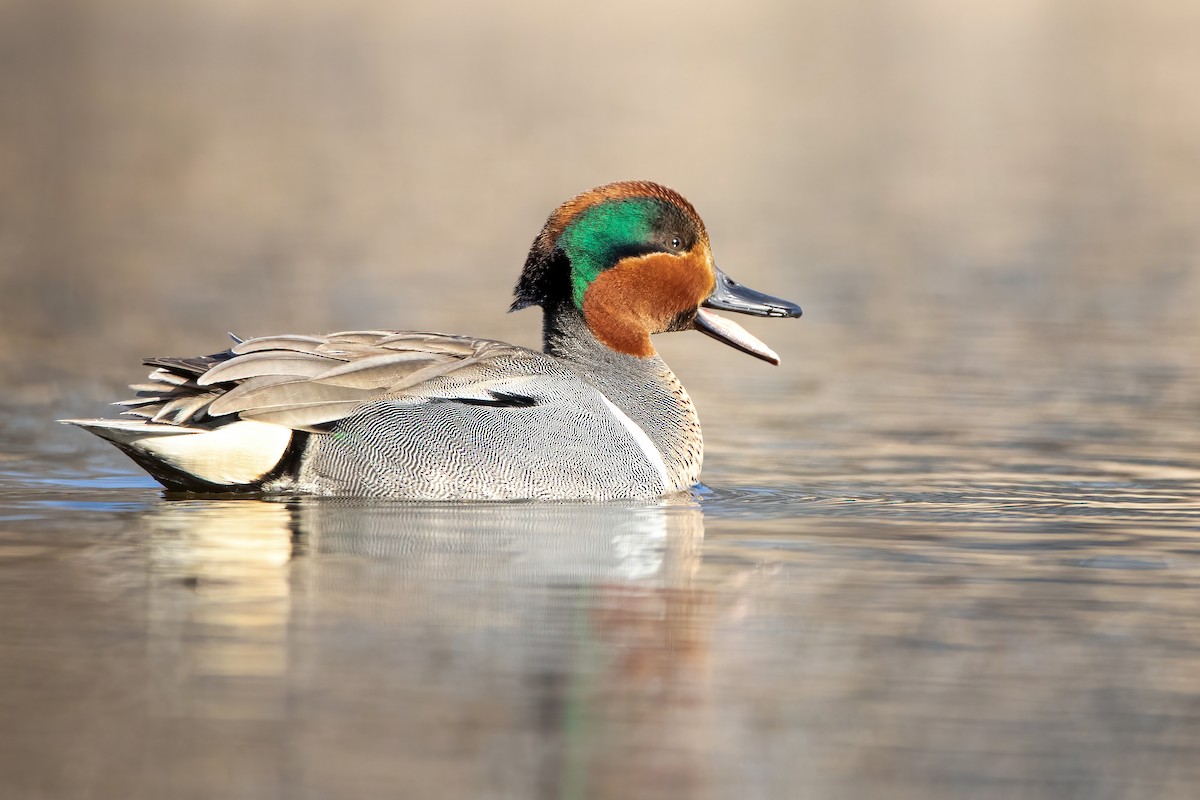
388 371
160 376
358 337
184 408
300 344
284 395
306 417
305 382
434 343
267 362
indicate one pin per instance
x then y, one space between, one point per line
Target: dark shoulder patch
497 400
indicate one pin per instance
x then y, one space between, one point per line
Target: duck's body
492 421
426 416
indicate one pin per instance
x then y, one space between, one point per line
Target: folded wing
308 383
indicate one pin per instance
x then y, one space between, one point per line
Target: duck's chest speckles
669 417
685 450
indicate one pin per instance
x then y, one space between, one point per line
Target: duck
595 415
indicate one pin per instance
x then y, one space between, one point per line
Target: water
950 548
884 607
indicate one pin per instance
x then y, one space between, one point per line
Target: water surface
890 607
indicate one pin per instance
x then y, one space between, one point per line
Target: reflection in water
546 645
996 634
221 646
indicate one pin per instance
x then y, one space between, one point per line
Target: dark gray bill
732 296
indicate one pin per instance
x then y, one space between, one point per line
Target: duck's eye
676 243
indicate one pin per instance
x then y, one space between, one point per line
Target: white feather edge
643 441
238 453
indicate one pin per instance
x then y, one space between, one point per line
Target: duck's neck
644 388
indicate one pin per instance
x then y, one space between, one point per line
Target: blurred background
949 545
169 171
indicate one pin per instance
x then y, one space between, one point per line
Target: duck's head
633 257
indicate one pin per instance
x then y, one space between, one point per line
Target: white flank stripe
651 452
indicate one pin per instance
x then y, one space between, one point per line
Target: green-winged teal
430 416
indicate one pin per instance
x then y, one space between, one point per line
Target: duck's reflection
220 604
553 648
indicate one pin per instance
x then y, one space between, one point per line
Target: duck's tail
236 456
